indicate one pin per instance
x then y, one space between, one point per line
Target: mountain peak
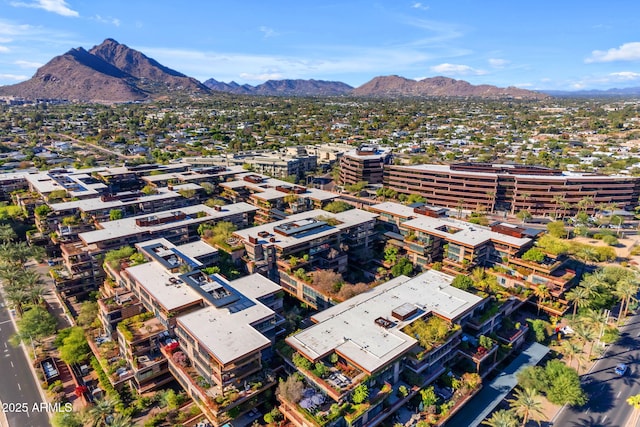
391 86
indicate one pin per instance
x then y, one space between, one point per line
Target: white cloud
498 63
261 77
267 32
626 52
13 77
625 75
56 6
4 49
339 60
27 64
107 20
10 29
457 70
418 5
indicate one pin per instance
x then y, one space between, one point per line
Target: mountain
396 86
232 87
110 72
615 92
144 68
284 88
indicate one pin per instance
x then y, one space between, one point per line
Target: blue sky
537 45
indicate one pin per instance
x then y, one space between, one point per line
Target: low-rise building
374 337
284 250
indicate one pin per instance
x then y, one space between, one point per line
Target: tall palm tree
626 290
502 418
579 296
570 349
542 293
586 334
557 199
526 402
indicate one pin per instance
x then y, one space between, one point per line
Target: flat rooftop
346 219
163 285
96 204
128 227
266 189
226 331
564 176
255 286
350 328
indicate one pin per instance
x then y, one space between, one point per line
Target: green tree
36 323
463 282
273 416
115 214
534 255
74 348
403 267
338 206
360 394
428 396
66 419
557 229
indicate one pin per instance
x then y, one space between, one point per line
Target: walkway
493 393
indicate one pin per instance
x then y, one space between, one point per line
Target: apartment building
275 199
285 250
425 237
371 339
191 327
512 188
365 163
459 245
82 271
289 161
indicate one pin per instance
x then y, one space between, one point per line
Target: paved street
18 389
607 392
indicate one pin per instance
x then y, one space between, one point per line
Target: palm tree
10 274
557 199
7 234
120 420
570 349
97 415
626 290
580 298
586 334
585 203
525 403
502 418
542 293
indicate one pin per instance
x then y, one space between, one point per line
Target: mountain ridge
113 72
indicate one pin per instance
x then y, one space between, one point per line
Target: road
19 391
608 392
95 146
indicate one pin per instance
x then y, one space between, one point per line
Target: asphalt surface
19 392
608 392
